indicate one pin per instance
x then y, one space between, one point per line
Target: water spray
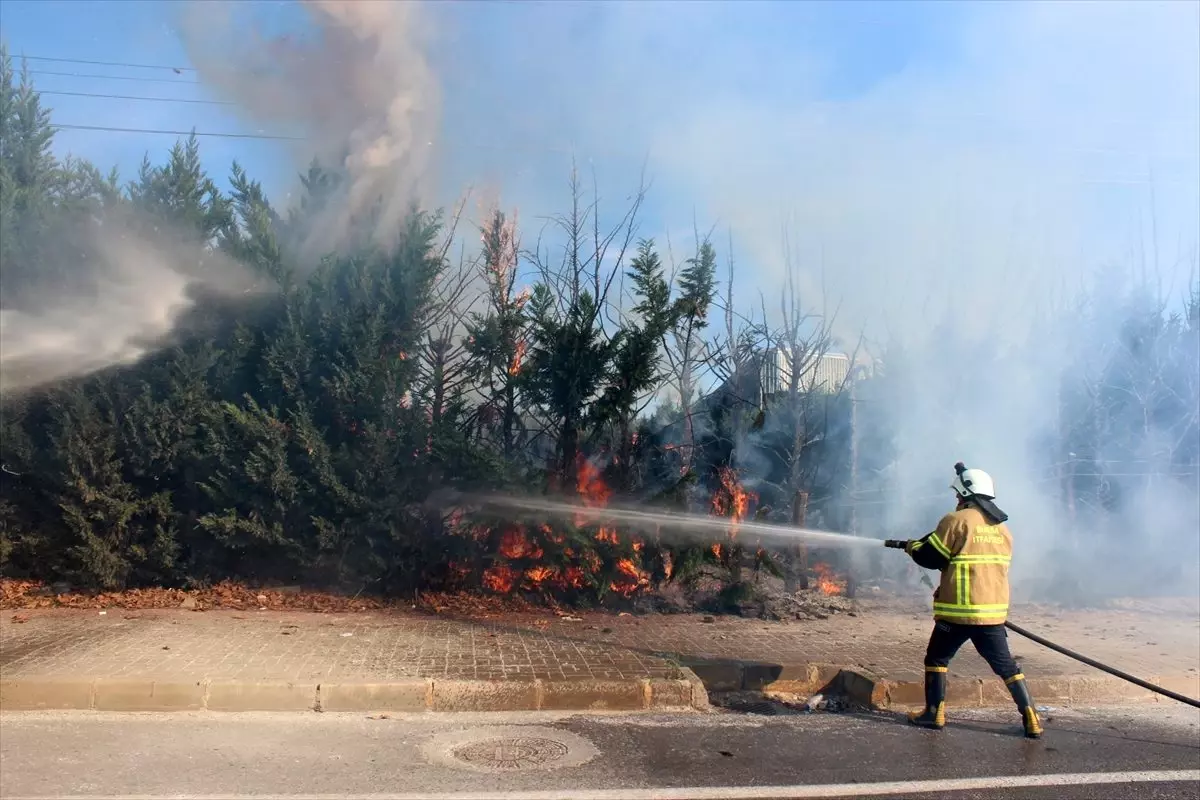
697 524
693 525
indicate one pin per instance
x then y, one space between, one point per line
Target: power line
62 126
135 97
109 77
107 63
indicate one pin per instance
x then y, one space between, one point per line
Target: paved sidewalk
392 660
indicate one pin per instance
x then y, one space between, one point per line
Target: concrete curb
864 689
1100 690
689 692
417 694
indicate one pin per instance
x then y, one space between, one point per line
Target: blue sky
897 142
133 32
863 43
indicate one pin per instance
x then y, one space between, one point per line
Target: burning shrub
585 558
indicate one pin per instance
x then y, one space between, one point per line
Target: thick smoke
958 209
357 90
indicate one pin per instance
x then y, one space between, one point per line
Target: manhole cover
508 748
512 754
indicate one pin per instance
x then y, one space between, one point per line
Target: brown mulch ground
19 595
228 595
22 594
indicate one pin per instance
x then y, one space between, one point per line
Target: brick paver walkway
288 646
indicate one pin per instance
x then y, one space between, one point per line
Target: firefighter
972 548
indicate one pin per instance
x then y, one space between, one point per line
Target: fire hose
900 544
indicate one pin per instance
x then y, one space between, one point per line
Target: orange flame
730 499
633 578
576 577
828 581
592 489
608 535
514 367
515 544
535 576
593 493
499 578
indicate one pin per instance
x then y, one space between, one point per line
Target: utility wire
107 63
110 77
63 126
136 97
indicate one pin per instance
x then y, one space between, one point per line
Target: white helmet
973 483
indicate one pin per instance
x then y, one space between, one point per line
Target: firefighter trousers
991 642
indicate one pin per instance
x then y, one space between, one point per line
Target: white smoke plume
358 95
119 303
356 89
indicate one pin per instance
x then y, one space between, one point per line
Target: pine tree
696 289
497 340
635 367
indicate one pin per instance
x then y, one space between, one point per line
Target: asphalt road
1150 751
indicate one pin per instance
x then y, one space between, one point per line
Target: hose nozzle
898 544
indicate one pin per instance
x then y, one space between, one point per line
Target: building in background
824 373
767 375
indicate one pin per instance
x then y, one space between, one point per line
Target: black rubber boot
934 715
1029 716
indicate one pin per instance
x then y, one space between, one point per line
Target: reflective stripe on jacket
974 585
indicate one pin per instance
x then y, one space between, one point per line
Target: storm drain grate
508 755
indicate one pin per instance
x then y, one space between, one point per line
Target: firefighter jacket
973 556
